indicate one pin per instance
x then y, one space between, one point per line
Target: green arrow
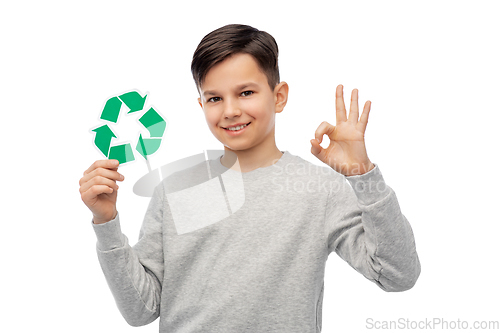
133 100
154 123
103 138
122 153
147 147
111 109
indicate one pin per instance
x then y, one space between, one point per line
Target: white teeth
236 128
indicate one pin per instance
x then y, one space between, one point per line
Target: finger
354 111
339 104
108 173
363 121
98 181
100 172
324 128
109 164
87 176
316 149
92 193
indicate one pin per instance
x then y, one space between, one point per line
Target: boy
261 268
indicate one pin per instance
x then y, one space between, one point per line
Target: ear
199 102
281 96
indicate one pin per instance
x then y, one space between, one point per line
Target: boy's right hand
98 189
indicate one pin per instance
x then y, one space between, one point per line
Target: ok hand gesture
346 152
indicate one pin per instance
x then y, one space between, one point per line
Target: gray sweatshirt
224 251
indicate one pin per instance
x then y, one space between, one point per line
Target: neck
250 159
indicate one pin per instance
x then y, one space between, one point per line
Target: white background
430 68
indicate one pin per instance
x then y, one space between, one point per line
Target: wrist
101 220
361 170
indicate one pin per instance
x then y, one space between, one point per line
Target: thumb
316 148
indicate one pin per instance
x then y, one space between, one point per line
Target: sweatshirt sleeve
134 274
366 228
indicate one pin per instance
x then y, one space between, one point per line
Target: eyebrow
238 87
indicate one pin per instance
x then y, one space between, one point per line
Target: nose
231 109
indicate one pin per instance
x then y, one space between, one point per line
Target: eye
213 99
246 93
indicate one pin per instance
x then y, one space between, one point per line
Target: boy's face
235 92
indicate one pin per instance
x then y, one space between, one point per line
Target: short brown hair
232 39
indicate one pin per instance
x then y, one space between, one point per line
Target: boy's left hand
346 152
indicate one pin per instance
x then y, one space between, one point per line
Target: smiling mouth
227 128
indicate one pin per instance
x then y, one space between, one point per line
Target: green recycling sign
150 120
